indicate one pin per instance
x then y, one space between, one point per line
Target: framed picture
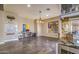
53 26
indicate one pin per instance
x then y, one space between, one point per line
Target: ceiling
33 11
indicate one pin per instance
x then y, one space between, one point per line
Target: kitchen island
68 49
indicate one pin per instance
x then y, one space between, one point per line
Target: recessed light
47 15
28 5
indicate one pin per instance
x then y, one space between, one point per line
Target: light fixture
28 5
40 14
40 19
47 15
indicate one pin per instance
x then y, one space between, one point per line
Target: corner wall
45 29
18 21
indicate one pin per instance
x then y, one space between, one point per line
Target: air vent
48 9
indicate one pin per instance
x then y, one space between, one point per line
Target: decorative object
27 26
53 26
24 27
10 19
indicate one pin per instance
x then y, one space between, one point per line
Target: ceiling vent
48 9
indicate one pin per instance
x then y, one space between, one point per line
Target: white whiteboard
11 31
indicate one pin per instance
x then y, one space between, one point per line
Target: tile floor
32 45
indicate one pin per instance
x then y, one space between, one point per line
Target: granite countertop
70 45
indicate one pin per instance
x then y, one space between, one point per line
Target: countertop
70 47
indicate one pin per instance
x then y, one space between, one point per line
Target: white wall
1 25
45 29
39 28
18 21
42 28
3 22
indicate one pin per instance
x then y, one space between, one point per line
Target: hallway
32 45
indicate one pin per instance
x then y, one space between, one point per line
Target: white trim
56 48
4 40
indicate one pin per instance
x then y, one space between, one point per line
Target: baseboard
3 41
49 37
